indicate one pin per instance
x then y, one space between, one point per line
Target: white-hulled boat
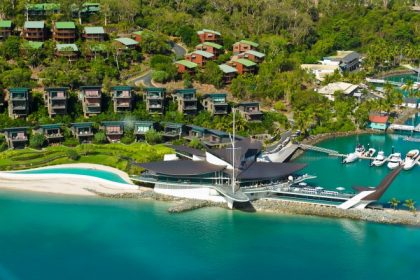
394 160
358 152
410 159
369 153
379 159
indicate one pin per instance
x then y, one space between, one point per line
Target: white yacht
379 159
410 159
394 160
369 153
358 152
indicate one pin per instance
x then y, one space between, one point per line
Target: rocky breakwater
386 216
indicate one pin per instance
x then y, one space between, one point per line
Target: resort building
411 102
68 51
378 121
124 44
122 98
207 35
34 31
114 130
346 88
199 57
42 9
346 60
243 65
52 132
142 127
229 73
56 101
172 131
216 138
243 46
186 100
252 55
18 100
194 131
184 66
210 47
155 100
320 71
250 111
92 100
216 175
87 9
96 33
137 35
83 131
216 103
6 28
16 137
64 32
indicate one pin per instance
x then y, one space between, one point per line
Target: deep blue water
52 237
77 171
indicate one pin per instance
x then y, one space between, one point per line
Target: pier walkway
405 127
382 81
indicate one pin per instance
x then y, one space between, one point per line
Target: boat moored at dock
394 160
411 159
379 160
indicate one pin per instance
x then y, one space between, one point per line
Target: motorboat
379 160
410 159
358 152
369 153
394 160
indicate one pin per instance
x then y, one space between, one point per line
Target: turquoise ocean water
52 237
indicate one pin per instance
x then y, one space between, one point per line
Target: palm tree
410 204
394 203
408 86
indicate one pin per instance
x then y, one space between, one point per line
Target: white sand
68 183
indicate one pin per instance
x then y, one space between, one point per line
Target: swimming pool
102 174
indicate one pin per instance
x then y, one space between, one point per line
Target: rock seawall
386 216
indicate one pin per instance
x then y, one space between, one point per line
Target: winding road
146 78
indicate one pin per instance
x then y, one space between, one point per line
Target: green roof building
5 29
64 32
243 46
95 33
34 31
42 9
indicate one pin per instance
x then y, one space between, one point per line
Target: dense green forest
290 32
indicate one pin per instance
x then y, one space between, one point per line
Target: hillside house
52 132
186 66
207 35
210 47
64 31
82 131
216 103
92 100
243 46
19 101
250 111
68 51
155 100
6 28
252 55
56 101
16 137
243 65
199 57
94 33
122 98
229 73
186 100
114 130
34 31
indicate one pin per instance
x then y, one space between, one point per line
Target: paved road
146 78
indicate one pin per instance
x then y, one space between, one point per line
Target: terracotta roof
378 119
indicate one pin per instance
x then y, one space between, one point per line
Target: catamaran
379 159
394 160
410 159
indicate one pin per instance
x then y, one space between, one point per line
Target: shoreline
82 185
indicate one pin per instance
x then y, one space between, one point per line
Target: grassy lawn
115 155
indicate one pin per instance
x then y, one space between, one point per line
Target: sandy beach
68 184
